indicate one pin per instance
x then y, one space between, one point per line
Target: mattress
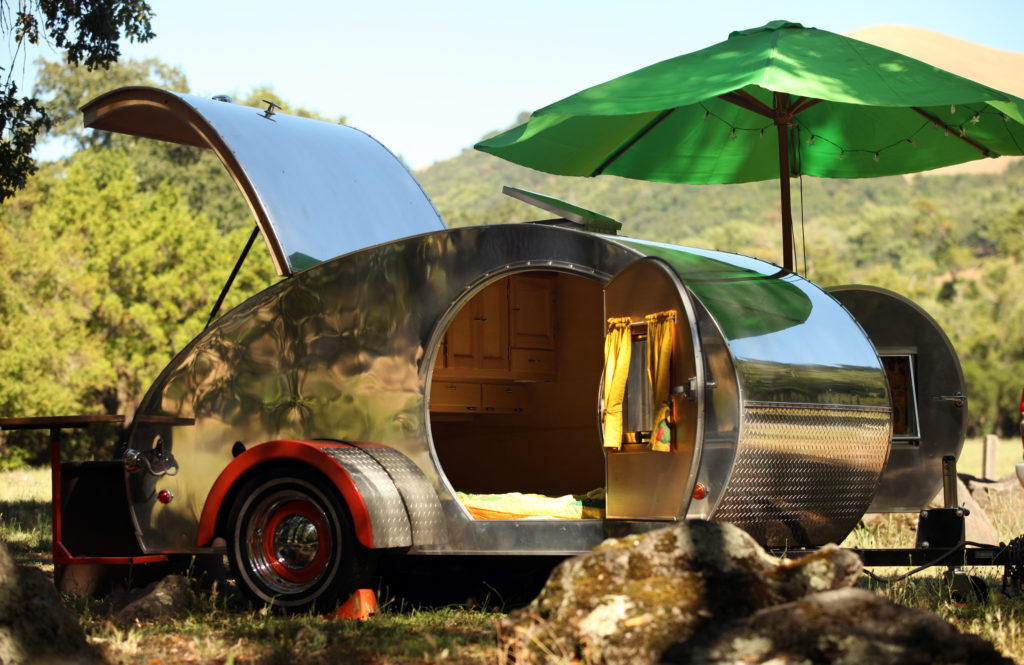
516 505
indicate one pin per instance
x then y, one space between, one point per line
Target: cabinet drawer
455 396
505 398
533 363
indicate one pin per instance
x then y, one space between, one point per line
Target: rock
164 598
842 627
35 627
631 598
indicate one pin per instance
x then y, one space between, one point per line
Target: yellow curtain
617 347
661 333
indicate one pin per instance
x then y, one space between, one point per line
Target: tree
88 31
105 283
65 88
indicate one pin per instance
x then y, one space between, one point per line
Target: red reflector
164 496
699 491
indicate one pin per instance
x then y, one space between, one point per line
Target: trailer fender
376 504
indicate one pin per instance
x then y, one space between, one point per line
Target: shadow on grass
26 532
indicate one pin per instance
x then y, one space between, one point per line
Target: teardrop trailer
510 389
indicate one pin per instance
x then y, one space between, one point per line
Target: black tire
291 543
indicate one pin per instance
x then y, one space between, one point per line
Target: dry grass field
219 628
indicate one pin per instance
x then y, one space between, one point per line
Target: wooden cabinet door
478 337
532 312
461 340
492 326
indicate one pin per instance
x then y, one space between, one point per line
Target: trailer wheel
291 543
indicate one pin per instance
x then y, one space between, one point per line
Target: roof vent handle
271 107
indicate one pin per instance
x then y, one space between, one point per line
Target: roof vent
571 216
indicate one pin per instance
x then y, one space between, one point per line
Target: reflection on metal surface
805 474
343 352
899 328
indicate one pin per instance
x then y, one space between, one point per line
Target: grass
220 628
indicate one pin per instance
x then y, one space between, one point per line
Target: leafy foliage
65 88
88 30
104 281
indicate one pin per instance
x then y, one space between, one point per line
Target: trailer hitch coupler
949 481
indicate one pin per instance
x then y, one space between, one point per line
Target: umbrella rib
985 151
629 144
745 100
804 104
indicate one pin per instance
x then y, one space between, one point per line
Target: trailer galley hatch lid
652 467
317 189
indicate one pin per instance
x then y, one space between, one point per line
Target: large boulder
35 627
631 598
842 627
707 593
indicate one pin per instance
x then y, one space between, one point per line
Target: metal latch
958 399
689 389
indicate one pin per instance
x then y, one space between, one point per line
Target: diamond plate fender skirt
385 512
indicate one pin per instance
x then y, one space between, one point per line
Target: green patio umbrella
772 102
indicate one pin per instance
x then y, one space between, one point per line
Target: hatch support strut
231 277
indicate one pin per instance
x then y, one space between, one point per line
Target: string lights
876 154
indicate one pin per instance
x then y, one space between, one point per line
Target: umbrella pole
784 196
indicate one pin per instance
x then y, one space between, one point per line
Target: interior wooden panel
554 448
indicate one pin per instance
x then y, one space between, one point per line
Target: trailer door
652 393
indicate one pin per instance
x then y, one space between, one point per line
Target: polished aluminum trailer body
786 406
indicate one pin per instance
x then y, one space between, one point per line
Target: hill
994 67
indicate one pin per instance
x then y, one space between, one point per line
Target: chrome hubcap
296 542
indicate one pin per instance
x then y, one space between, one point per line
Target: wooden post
990 454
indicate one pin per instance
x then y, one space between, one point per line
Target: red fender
302 451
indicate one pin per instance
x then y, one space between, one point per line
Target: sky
429 79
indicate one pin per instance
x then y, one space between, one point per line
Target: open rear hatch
317 190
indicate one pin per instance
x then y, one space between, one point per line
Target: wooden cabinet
466 397
505 333
455 396
478 337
